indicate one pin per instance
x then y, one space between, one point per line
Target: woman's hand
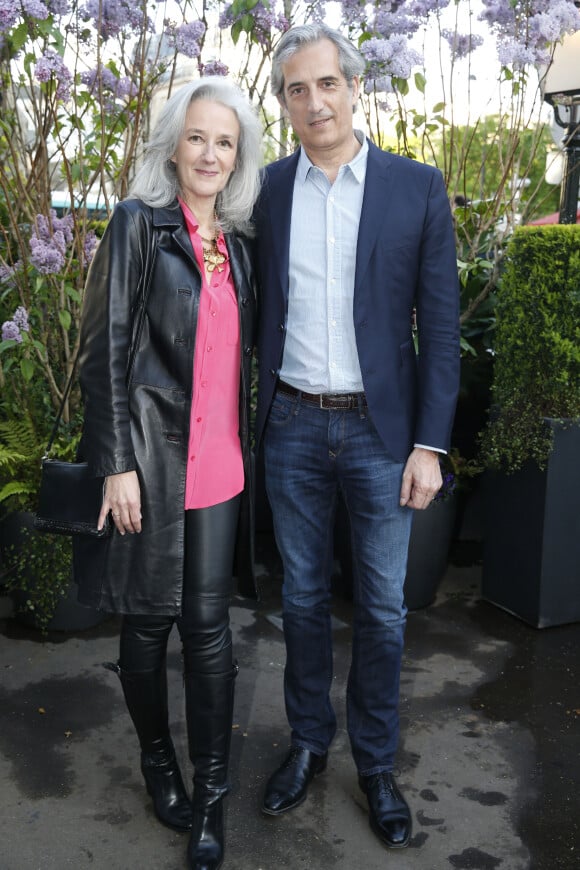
123 498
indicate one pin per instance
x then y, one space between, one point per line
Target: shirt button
191 458
204 383
213 313
209 348
333 322
331 240
199 419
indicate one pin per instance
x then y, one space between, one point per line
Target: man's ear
355 90
283 105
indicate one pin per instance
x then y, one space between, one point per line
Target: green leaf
236 31
65 319
420 82
27 369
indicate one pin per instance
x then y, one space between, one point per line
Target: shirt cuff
434 449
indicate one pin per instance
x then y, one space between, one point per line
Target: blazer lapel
376 203
279 192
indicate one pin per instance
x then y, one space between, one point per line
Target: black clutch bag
70 500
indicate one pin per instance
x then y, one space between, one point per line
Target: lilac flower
392 56
46 231
187 38
20 318
48 258
526 28
214 68
89 248
461 44
9 14
353 12
35 8
113 17
11 332
58 7
422 8
48 244
6 272
112 87
264 22
52 65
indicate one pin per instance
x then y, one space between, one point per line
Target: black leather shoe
287 787
389 814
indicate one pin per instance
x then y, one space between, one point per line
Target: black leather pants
204 625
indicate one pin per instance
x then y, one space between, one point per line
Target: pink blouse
215 471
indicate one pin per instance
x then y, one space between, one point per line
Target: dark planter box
531 551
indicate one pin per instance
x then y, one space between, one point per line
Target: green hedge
537 345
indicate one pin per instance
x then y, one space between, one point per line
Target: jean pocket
283 409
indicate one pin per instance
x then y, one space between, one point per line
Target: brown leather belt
326 401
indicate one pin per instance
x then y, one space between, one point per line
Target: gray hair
156 181
350 62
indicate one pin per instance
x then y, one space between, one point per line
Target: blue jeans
309 453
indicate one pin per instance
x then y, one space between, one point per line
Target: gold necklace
211 256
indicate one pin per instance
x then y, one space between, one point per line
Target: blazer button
274 373
244 301
248 351
281 327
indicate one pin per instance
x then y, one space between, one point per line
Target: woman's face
206 152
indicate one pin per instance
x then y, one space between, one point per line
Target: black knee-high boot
146 697
209 704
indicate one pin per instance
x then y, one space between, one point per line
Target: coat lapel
376 204
280 189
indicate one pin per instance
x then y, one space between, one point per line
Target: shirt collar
357 165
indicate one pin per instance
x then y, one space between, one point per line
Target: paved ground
490 755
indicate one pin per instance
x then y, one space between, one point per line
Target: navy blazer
405 259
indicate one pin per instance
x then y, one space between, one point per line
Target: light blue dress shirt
320 354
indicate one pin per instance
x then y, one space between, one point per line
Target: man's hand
421 479
123 498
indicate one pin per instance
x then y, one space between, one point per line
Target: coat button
281 327
244 301
273 372
248 351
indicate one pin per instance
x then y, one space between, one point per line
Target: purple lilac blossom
10 331
353 12
6 272
89 248
214 68
186 38
35 8
264 22
48 245
20 318
58 7
526 28
425 7
9 14
49 65
112 17
112 88
48 258
461 44
390 56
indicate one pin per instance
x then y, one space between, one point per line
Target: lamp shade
560 81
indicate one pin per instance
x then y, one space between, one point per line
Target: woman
166 345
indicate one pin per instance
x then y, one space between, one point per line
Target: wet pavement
489 757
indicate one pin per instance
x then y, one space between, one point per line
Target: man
351 241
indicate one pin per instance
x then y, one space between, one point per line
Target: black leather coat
137 388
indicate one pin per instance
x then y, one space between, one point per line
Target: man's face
318 99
